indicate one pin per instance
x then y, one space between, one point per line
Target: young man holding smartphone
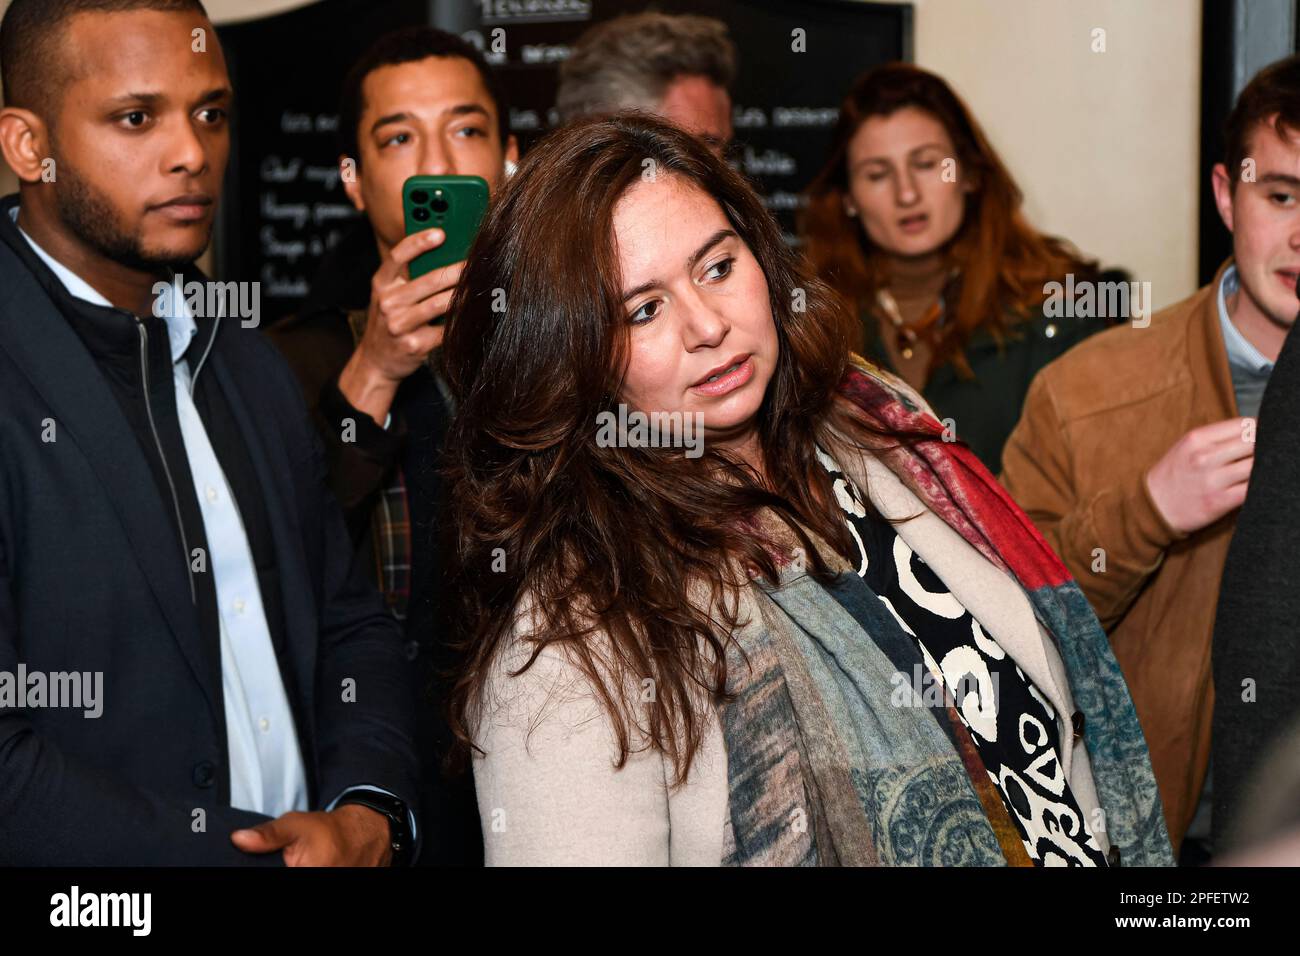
420 101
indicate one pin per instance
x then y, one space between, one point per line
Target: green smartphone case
454 204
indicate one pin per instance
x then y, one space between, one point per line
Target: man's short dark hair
1273 92
410 45
30 37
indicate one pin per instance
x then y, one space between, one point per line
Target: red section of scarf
953 483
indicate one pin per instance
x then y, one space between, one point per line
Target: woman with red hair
915 221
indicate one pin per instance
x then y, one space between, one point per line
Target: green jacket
986 408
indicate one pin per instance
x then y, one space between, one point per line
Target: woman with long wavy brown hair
788 623
916 221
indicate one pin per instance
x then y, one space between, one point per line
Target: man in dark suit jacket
166 531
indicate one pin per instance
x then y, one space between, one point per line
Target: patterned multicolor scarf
822 769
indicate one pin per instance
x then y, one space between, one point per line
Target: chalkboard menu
284 207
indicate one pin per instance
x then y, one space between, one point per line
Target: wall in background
1104 145
232 11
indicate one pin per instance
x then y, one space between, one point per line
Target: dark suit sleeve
55 811
359 453
365 701
1256 650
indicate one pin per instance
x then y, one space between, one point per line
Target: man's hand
1204 475
352 835
398 336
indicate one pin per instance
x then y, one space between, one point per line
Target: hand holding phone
403 324
412 289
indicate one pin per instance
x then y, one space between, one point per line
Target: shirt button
239 605
264 724
205 774
1050 331
412 650
211 493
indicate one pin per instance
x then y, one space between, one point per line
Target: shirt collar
1240 352
181 327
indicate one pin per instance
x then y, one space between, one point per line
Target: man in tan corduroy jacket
1134 449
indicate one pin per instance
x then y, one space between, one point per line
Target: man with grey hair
678 67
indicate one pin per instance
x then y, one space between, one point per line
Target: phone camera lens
420 214
440 205
419 197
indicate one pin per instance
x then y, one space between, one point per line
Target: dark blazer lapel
62 371
274 469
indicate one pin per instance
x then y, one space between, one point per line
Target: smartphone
454 204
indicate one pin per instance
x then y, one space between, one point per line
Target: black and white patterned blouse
1012 724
